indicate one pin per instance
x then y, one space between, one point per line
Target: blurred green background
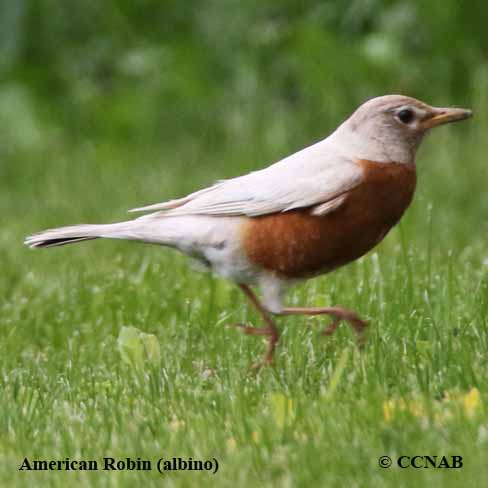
218 71
213 71
105 106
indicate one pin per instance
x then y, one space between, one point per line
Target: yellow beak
442 116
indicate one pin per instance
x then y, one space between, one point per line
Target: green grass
318 417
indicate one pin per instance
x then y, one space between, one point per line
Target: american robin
305 215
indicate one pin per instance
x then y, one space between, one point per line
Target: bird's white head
390 128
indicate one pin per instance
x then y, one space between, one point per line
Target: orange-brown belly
297 244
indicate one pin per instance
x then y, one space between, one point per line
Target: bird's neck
356 145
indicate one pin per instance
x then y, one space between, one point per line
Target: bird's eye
405 115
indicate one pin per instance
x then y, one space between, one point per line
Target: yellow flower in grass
442 410
282 409
415 407
389 407
472 402
231 444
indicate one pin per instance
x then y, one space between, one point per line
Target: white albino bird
303 216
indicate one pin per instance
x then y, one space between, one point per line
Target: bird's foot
338 315
341 314
273 336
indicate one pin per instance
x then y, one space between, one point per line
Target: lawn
326 411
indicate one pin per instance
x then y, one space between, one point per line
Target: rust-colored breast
297 244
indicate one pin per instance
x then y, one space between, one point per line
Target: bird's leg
271 331
337 313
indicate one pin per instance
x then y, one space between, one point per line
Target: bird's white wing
309 178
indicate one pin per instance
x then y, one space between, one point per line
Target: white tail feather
77 233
